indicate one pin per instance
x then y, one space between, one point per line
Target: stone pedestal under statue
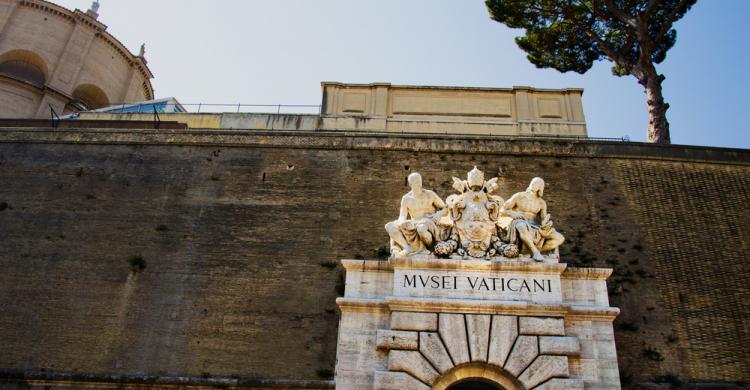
420 322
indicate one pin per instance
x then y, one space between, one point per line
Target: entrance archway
475 384
477 376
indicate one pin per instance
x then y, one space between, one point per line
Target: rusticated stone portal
427 323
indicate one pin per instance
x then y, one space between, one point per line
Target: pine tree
569 35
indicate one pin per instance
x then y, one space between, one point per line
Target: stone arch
24 65
477 371
91 96
515 352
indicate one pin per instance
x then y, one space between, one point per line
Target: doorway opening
475 384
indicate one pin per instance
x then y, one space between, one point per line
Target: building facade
228 250
52 58
386 108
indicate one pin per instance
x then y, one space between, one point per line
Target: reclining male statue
420 221
531 228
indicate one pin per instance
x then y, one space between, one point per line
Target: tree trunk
658 127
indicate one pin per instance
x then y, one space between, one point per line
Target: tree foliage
569 35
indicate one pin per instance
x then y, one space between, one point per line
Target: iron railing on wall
223 108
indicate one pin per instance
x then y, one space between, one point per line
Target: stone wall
215 253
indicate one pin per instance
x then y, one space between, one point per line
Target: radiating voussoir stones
523 353
478 329
414 363
433 349
543 368
452 329
503 334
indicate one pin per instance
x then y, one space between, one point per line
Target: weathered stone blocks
433 349
541 326
523 353
522 345
394 339
503 334
543 368
414 321
413 363
478 330
389 380
556 345
561 384
452 328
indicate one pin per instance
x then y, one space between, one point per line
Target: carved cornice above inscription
429 262
416 262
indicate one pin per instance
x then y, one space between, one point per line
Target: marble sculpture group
475 222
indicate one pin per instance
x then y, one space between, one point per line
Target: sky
278 52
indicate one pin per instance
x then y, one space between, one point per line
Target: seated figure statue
421 221
531 228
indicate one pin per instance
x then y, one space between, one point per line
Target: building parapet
458 110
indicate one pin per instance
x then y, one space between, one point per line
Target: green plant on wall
137 263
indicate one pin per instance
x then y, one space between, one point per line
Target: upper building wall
518 111
82 65
458 110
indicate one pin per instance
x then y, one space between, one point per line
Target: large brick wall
239 234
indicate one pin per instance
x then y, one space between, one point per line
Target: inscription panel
499 285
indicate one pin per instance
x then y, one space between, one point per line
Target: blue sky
278 52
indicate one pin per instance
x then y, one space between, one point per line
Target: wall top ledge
342 140
587 273
323 84
366 265
459 265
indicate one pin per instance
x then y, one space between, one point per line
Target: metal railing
256 108
223 108
624 138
